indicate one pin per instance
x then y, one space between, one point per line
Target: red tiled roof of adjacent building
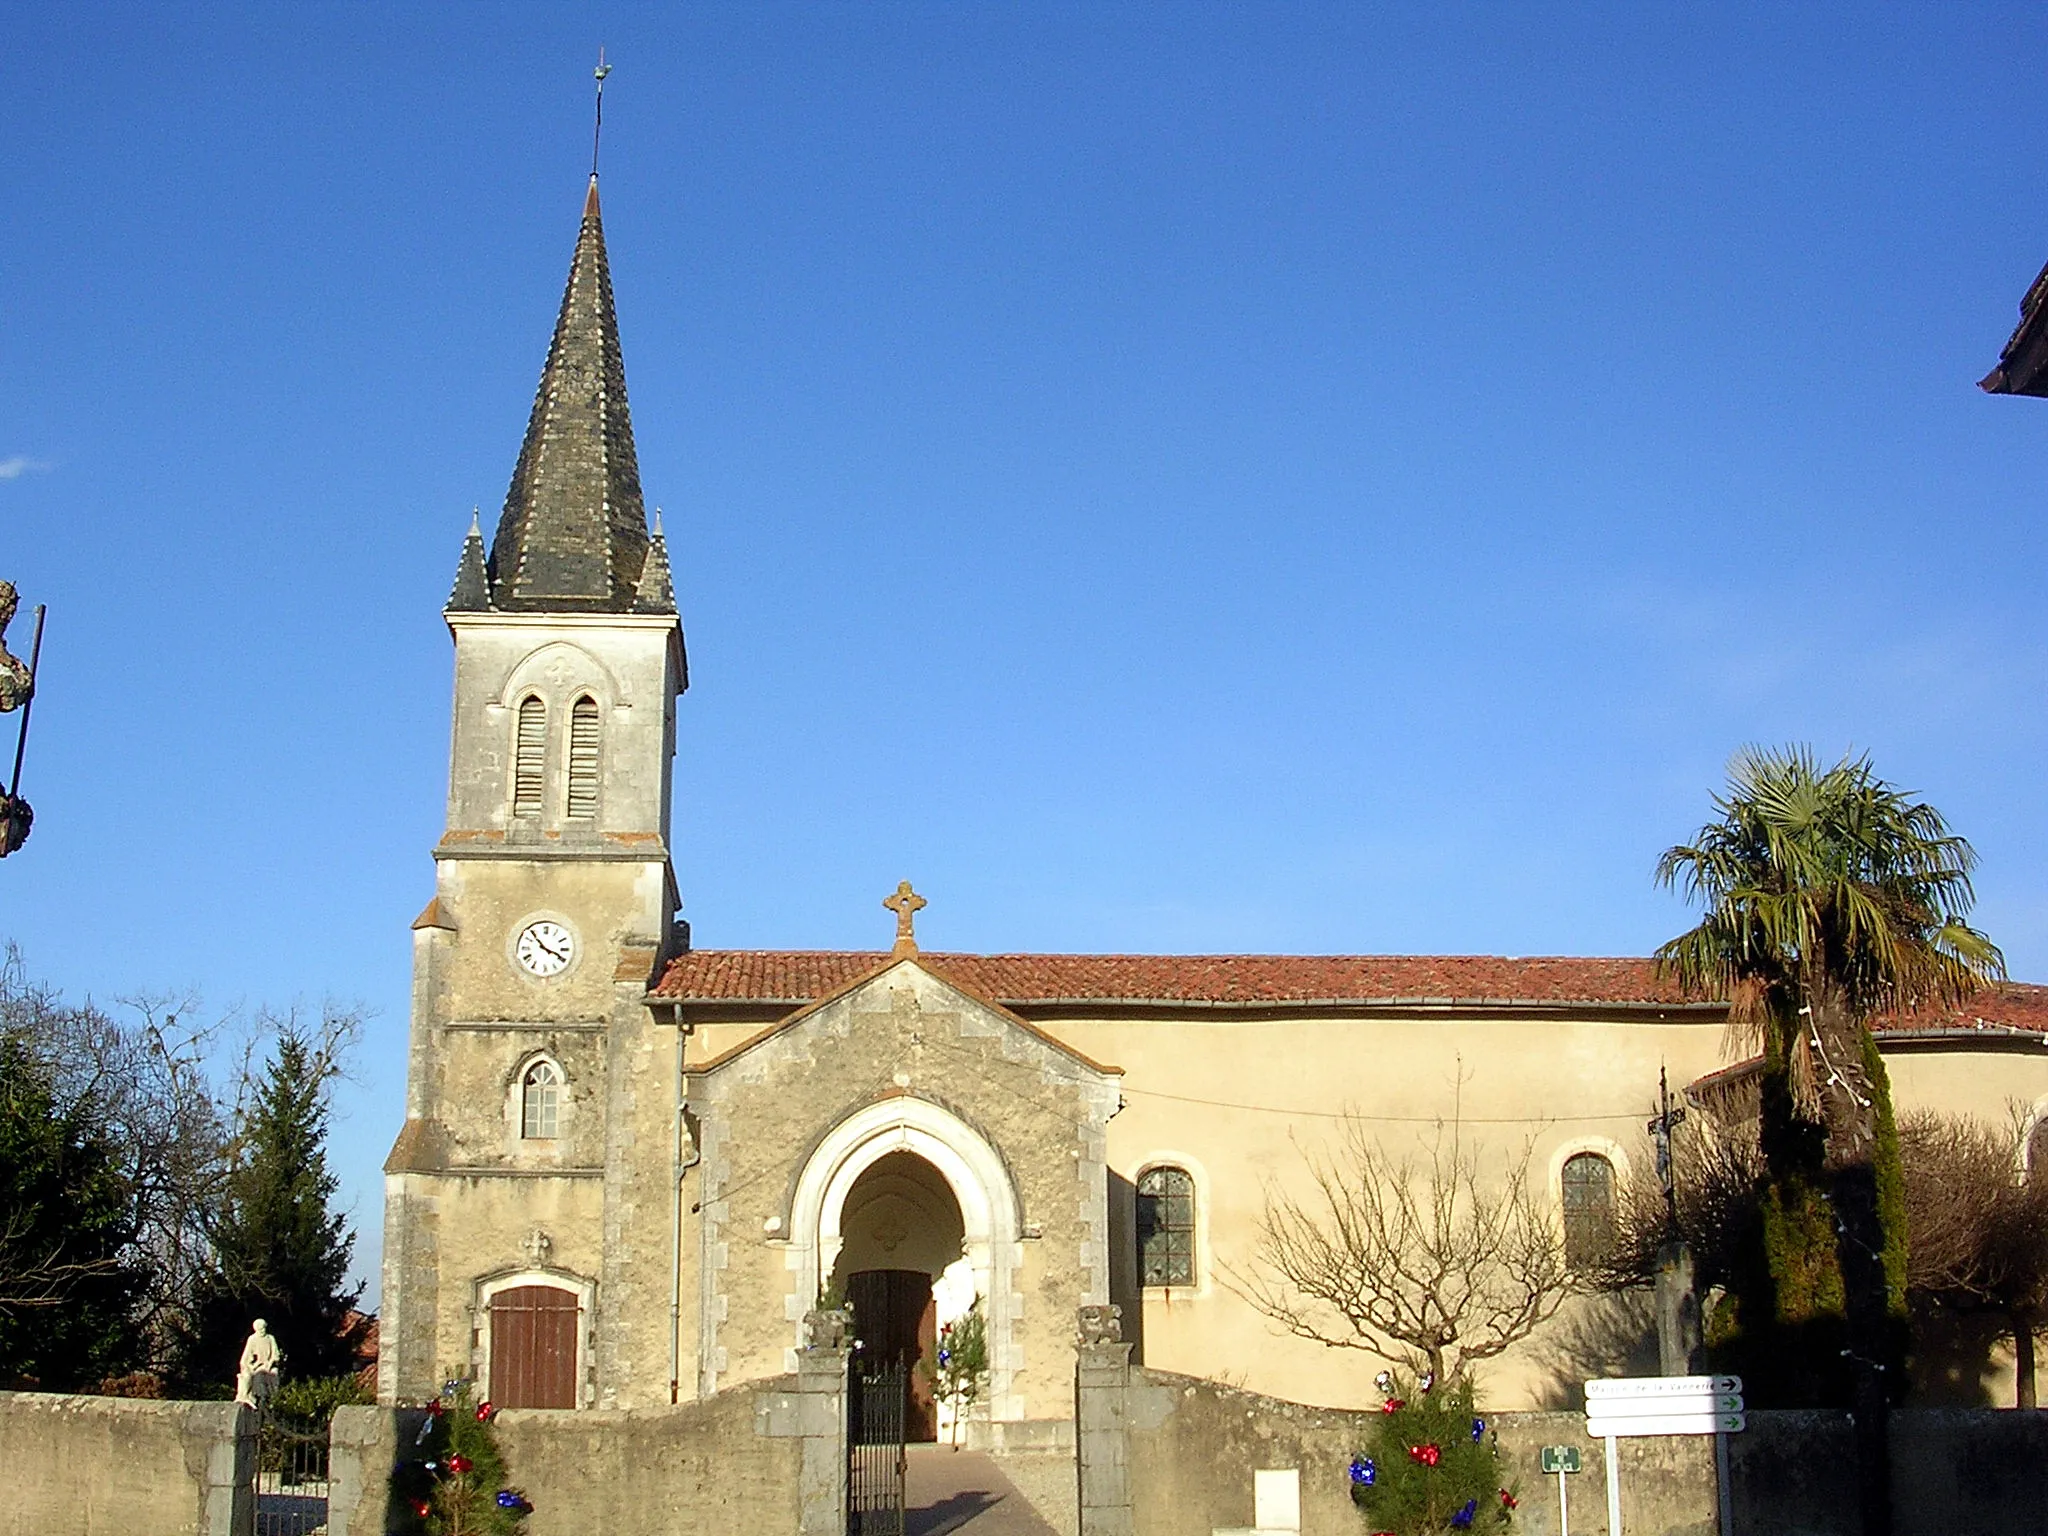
800 976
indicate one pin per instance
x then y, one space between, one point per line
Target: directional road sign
1664 1405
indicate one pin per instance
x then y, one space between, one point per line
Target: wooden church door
533 1347
895 1319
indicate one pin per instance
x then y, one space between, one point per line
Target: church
629 1167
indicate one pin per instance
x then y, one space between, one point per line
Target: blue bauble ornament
1478 1430
1363 1472
1463 1518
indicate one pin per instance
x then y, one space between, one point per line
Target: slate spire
573 535
657 592
472 582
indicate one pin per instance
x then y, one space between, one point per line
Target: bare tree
166 1085
1716 1170
1978 1222
1416 1258
145 1082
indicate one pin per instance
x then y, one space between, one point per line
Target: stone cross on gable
905 904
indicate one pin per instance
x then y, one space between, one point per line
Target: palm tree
1831 899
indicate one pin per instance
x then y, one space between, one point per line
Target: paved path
948 1490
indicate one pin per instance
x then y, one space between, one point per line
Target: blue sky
1160 477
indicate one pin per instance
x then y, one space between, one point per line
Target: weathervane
597 133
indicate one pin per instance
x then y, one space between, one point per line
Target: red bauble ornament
1392 1405
484 1410
422 1508
1508 1500
461 1464
435 1408
1430 1456
1415 1453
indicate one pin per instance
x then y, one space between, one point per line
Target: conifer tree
279 1252
67 1290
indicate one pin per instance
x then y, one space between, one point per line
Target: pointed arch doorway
910 1215
901 1232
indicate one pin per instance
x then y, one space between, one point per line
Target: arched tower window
583 758
529 757
1588 1208
540 1099
1166 1226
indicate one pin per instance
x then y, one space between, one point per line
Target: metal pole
1613 1490
35 656
1564 1509
1723 1485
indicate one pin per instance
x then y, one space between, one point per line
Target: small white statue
257 1378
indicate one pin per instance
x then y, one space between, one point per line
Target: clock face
545 948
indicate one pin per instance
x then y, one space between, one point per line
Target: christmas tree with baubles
1431 1467
454 1483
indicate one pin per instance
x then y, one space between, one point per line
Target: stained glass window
1166 1227
1588 1208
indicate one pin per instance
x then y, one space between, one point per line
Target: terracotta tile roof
797 977
2010 1006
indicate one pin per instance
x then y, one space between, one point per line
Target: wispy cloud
19 465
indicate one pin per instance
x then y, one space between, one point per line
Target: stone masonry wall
766 1460
1193 1445
119 1464
904 1034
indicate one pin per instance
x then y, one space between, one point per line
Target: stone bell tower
554 897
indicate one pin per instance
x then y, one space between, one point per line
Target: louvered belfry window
1166 1227
583 758
530 757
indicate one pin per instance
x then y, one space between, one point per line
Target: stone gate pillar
821 1424
1102 1440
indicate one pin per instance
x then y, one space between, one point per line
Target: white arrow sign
1677 1402
1660 1386
1667 1424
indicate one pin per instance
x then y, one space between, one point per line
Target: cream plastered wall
1998 1079
1238 1104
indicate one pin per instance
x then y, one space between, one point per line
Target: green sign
1560 1458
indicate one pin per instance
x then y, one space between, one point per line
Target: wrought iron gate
877 1402
291 1475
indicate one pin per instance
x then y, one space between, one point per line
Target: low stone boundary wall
766 1459
135 1466
1168 1455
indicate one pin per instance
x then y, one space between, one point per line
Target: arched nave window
583 758
1588 1208
1166 1226
529 757
540 1102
